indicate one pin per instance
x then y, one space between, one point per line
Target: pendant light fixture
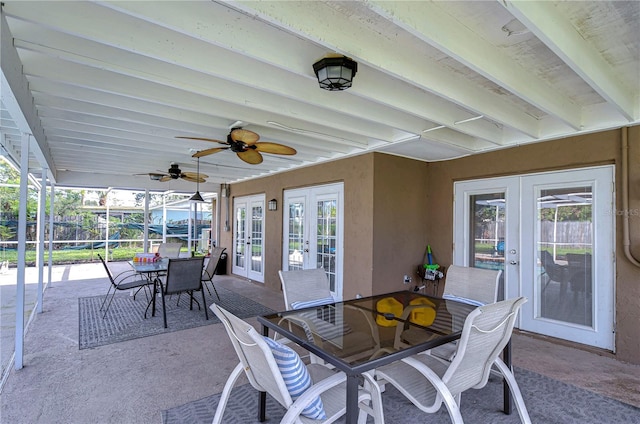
197 197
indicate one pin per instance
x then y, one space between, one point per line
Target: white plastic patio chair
311 287
473 286
259 364
169 250
428 381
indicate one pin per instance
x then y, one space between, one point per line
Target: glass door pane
487 230
295 222
326 238
565 243
257 218
240 236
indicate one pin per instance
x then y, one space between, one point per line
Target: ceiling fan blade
165 178
208 152
275 148
204 139
193 179
246 136
251 156
194 175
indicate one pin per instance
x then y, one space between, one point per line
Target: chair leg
164 308
108 304
226 392
515 390
106 296
214 289
375 410
204 302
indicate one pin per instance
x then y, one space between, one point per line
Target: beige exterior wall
587 150
395 206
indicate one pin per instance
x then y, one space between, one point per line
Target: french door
313 233
552 234
248 237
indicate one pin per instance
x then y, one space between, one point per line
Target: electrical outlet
407 279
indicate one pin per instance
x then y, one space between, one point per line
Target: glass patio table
337 333
152 271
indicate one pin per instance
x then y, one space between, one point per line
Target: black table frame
148 269
354 372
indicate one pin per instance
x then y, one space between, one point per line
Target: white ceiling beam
557 33
431 24
295 58
14 90
338 33
198 67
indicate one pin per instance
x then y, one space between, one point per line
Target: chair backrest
485 334
212 265
255 355
473 283
169 250
184 275
304 285
108 270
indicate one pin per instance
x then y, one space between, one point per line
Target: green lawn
71 256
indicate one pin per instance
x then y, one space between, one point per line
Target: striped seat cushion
296 377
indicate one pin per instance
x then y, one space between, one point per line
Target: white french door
546 232
313 233
248 237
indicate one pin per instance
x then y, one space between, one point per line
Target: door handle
512 262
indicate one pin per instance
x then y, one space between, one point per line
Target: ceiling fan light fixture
335 73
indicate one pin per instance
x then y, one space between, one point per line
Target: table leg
506 393
352 399
262 396
153 298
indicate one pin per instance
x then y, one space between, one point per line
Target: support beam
16 96
22 248
42 216
561 37
52 196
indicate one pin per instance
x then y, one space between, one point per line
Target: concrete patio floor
133 381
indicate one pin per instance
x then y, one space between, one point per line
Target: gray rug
548 402
125 317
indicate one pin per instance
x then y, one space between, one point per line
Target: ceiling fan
174 172
246 145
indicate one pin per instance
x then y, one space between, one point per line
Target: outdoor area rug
548 402
125 317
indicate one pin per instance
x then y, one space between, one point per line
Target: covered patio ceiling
105 87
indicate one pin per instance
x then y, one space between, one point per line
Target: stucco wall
587 150
395 206
357 175
399 220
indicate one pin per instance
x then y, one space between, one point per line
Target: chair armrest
312 393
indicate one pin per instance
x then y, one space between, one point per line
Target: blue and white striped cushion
309 303
296 377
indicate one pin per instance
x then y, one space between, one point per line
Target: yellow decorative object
425 315
388 308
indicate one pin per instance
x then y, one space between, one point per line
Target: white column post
42 216
22 248
106 229
146 221
52 196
